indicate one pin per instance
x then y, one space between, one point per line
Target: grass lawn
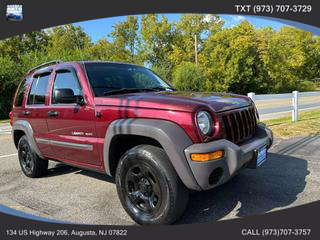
308 124
4 121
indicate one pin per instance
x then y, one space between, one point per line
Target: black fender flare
172 138
25 126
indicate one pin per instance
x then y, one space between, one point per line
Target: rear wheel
31 164
149 188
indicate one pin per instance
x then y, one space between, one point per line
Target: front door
72 125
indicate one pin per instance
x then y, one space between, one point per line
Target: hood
177 100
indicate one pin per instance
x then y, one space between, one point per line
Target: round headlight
204 121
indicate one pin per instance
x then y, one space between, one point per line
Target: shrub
188 77
307 86
165 72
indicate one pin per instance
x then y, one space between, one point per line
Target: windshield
109 77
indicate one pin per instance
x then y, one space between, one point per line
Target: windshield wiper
162 88
127 90
132 90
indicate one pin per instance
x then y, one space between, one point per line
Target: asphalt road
289 178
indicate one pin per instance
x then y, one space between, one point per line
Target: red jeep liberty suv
123 120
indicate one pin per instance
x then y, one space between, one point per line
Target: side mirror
64 95
80 100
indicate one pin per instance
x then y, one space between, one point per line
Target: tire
31 164
148 187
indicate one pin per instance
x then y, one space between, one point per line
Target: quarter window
20 93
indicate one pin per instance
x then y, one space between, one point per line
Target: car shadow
98 176
273 185
62 169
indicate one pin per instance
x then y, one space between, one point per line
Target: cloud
238 18
210 18
48 30
231 21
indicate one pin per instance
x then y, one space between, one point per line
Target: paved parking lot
289 178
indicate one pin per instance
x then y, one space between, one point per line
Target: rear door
36 108
72 126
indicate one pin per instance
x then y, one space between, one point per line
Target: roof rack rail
45 64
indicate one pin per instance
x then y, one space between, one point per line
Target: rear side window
38 90
20 93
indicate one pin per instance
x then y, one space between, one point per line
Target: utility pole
196 49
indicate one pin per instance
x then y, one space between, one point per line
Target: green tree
126 40
189 26
104 50
68 43
8 84
188 77
158 37
18 46
283 56
13 51
232 61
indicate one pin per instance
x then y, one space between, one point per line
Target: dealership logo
14 12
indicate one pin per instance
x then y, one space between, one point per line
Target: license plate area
261 154
259 157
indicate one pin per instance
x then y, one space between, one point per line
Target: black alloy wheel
143 189
148 186
27 162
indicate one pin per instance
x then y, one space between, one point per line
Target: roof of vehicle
102 61
57 62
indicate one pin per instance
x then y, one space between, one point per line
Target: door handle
26 113
53 113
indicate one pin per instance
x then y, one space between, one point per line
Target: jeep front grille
239 125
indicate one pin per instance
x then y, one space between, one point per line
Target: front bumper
216 172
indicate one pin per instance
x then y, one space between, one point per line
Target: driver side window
66 79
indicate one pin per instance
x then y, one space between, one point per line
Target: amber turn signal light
204 157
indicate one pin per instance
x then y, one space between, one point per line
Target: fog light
204 157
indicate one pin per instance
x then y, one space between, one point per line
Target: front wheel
148 187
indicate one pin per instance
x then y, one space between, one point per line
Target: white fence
275 105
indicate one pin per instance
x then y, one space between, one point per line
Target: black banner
292 223
39 14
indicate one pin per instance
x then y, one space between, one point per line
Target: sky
100 28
